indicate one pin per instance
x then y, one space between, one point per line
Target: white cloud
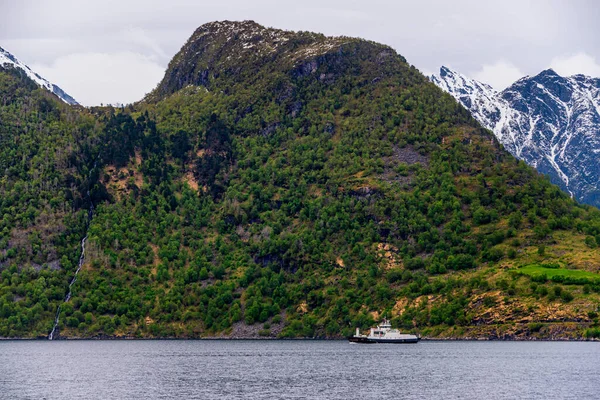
427 72
579 63
95 78
499 75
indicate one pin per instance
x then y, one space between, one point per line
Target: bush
540 278
590 241
394 276
492 255
535 326
567 296
592 333
481 216
414 263
533 287
461 261
557 290
541 231
586 289
550 265
203 275
541 250
489 301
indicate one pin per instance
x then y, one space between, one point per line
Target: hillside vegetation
284 184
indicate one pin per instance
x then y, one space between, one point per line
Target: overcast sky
109 51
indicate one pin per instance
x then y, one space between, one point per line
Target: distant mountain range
549 121
8 60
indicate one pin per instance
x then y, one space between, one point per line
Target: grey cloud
465 34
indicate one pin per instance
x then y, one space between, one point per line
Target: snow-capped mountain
7 59
549 121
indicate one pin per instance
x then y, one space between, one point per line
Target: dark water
297 370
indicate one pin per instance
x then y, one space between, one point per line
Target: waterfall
79 265
68 297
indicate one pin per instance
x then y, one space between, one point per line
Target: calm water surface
297 370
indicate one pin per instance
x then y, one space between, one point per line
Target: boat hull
354 339
368 340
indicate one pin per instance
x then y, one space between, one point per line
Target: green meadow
555 273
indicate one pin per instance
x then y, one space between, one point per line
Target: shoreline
320 339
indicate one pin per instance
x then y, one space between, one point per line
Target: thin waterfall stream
79 265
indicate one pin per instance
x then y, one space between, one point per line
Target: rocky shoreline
336 338
518 332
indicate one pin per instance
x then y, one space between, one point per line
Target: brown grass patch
302 308
191 181
122 179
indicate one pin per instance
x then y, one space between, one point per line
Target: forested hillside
283 184
45 157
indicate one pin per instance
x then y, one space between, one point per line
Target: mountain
7 60
281 184
551 122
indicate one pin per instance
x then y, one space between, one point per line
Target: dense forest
282 184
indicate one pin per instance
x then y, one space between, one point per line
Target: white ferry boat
383 333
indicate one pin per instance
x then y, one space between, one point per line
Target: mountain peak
7 60
229 50
547 120
548 73
451 80
245 34
444 71
230 29
230 26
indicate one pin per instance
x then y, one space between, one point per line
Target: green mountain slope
291 184
45 151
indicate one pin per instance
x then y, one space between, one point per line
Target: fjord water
169 369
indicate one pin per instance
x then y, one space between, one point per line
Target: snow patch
547 120
7 59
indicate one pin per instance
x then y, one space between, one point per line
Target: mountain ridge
9 60
550 121
235 49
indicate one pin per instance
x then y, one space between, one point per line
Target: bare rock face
549 121
220 54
